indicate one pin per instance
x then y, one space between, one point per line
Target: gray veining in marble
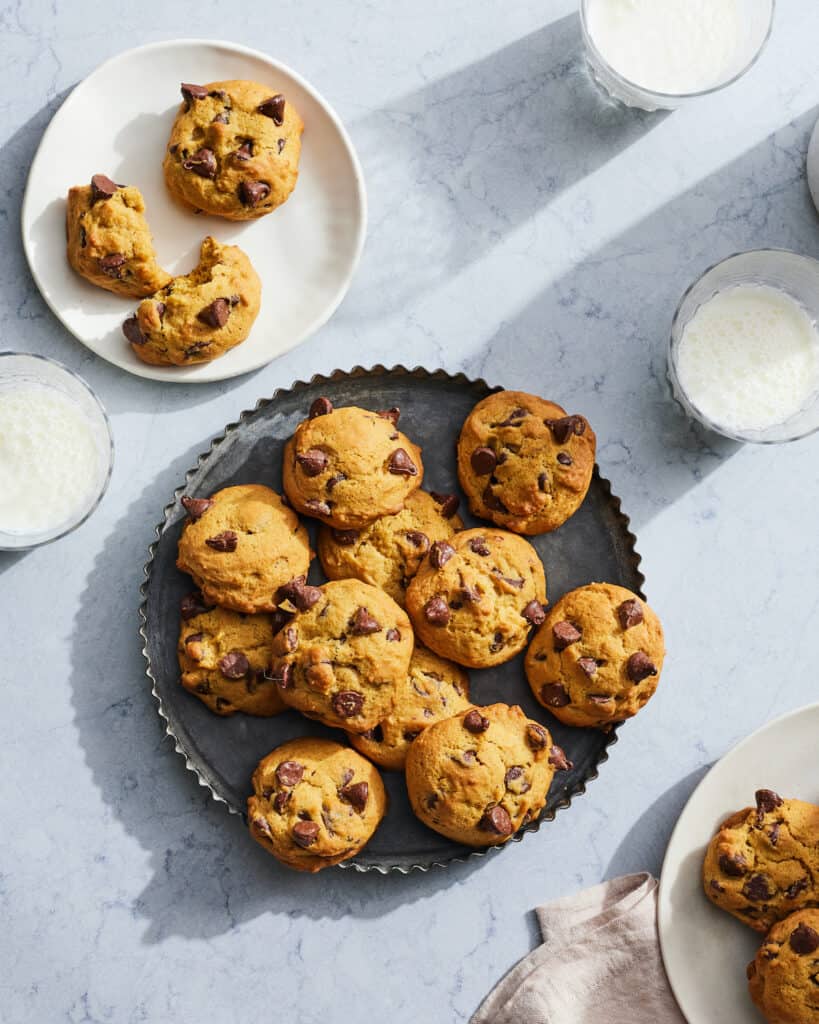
520 230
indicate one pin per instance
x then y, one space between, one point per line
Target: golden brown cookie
477 595
201 315
598 656
477 777
345 654
523 463
434 689
234 149
347 467
387 553
763 863
783 979
109 241
224 658
241 546
315 803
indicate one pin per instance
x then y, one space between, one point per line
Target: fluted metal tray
595 544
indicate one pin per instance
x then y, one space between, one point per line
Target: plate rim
359 371
165 374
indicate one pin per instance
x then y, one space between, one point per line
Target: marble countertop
520 230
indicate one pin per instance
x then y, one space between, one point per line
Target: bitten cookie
763 863
347 467
433 689
234 149
241 546
109 241
598 656
783 978
224 658
478 777
200 315
523 462
476 597
387 553
315 803
345 654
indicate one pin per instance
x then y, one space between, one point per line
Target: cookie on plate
523 462
433 689
241 545
345 654
763 863
477 596
783 978
224 658
315 803
109 241
201 315
598 656
234 149
478 777
387 553
348 467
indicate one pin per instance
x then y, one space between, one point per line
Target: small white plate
117 122
706 950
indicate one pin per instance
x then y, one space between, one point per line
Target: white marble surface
519 230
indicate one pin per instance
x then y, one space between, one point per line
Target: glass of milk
56 450
744 352
656 54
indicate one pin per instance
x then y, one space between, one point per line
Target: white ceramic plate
704 949
117 122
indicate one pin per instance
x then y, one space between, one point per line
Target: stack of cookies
412 600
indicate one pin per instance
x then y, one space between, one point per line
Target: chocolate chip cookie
783 979
200 315
109 241
763 863
478 777
348 467
315 803
345 654
234 149
433 689
387 553
523 462
597 657
476 597
241 546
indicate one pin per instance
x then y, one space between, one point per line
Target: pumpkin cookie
234 149
523 462
348 467
478 777
109 241
434 689
315 803
241 545
476 597
345 654
783 979
598 656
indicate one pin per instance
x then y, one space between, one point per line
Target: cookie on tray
108 239
315 803
433 689
241 545
783 978
598 656
477 596
348 466
234 149
478 777
524 463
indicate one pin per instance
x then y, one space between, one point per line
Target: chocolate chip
253 192
511 581
496 819
112 264
393 415
440 553
305 833
314 507
401 464
216 314
563 429
282 675
475 722
732 864
363 624
630 613
536 736
278 620
588 666
393 636
515 418
223 118
773 835
313 461
289 773
224 541
356 795
102 187
280 144
273 108
639 666
716 886
193 92
512 774
795 888
321 407
804 940
202 162
160 309
193 604
564 458
417 539
345 537
449 503
479 546
600 698
565 634
133 331
234 665
497 643
281 800
436 611
554 695
244 152
492 501
196 507
347 703
194 638
757 889
534 613
298 593
558 760
331 483
483 461
766 801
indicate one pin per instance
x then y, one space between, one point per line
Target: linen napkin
600 960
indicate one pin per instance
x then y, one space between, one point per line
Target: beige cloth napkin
600 961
